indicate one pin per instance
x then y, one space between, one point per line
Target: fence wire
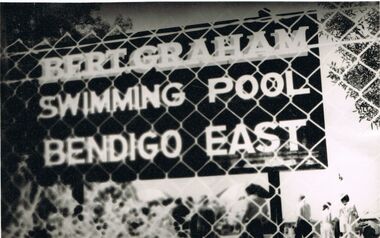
110 200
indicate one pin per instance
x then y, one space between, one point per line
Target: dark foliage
362 58
34 22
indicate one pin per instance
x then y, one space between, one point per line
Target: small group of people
343 225
195 219
208 218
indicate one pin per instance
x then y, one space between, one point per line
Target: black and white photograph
190 119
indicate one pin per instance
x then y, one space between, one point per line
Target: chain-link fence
130 146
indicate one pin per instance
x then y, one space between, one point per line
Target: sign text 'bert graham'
167 56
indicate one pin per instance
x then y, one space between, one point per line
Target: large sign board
238 96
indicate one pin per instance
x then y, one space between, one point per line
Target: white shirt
304 210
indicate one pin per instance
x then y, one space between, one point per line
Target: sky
147 16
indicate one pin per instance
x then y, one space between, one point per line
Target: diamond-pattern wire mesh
39 200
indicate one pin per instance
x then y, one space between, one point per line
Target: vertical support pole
78 191
275 202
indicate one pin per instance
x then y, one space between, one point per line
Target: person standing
256 211
326 222
202 222
180 213
347 217
303 225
